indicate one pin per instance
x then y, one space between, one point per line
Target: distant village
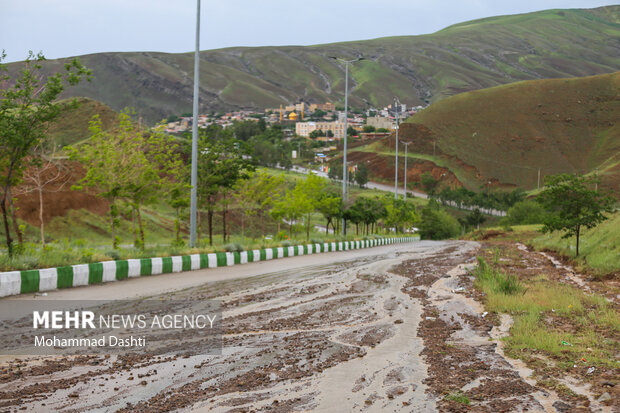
319 121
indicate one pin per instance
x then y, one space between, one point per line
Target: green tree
376 211
369 129
355 214
475 218
368 211
220 165
330 206
291 207
156 166
572 205
429 183
438 224
126 163
361 175
399 213
318 114
108 159
27 106
308 193
335 169
257 196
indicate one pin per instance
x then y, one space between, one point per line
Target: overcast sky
61 28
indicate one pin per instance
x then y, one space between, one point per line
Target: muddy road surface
378 330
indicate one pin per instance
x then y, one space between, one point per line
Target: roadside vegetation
599 250
558 328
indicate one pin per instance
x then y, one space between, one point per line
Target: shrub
233 247
438 224
114 254
526 212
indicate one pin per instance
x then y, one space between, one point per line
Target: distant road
371 185
389 188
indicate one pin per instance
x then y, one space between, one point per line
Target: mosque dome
292 116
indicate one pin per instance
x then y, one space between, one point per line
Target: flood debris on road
396 331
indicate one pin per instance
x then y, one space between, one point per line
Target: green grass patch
552 318
493 281
458 397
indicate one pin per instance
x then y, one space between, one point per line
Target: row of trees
134 166
463 198
263 195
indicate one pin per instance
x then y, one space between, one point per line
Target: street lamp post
397 109
194 173
406 146
346 125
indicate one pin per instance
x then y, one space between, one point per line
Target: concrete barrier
31 281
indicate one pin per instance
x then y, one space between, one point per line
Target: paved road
330 332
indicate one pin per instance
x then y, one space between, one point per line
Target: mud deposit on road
398 330
337 337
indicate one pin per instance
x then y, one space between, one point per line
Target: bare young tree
46 174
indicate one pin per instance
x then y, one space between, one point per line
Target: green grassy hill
506 133
464 57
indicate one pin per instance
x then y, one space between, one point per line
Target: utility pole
406 146
194 177
397 108
538 178
346 125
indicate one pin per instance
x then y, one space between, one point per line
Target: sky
63 28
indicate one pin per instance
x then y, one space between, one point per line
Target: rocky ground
397 331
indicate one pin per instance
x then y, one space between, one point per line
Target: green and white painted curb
30 281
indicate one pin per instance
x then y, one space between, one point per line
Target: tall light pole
406 146
397 109
194 178
346 125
